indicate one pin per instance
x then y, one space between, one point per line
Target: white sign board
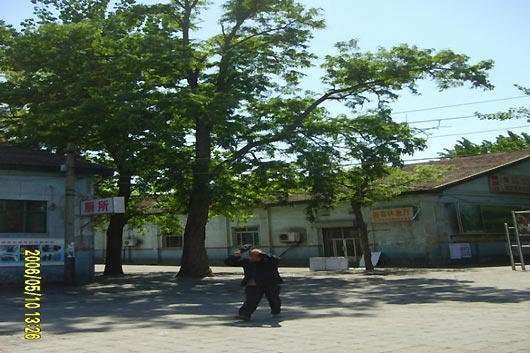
375 259
460 251
103 206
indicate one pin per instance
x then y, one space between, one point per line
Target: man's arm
273 259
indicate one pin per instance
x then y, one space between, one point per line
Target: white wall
50 187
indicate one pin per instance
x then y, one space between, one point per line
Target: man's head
255 255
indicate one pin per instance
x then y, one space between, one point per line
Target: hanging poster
523 222
12 251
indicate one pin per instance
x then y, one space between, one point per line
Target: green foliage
86 74
378 144
511 142
160 211
130 83
399 180
512 113
352 74
222 121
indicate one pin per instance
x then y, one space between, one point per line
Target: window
246 235
18 216
173 241
483 219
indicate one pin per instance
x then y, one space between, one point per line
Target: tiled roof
459 170
290 199
466 168
16 157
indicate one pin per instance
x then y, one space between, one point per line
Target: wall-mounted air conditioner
129 242
290 237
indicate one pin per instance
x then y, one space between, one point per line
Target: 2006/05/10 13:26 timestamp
32 294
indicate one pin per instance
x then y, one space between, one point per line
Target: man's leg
253 295
272 292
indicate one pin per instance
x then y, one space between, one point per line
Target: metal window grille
23 216
173 241
246 235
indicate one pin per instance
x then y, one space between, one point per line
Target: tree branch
263 33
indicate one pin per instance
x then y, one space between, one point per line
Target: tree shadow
160 300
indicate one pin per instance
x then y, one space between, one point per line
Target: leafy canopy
510 142
135 86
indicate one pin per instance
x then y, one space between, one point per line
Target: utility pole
69 216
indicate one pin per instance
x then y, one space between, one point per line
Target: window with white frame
246 235
173 241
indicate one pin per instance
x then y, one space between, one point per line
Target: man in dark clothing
261 277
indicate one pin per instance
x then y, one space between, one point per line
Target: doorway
341 242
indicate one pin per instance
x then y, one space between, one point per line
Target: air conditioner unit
290 237
129 242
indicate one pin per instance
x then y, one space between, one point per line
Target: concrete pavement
394 310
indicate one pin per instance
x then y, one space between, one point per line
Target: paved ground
463 310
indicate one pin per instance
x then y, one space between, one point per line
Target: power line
441 119
425 159
460 105
477 132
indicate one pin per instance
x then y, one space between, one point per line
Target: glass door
341 242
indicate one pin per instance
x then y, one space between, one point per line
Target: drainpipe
228 238
269 229
69 216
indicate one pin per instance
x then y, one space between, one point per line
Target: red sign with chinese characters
504 183
393 215
103 206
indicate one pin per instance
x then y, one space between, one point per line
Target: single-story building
32 213
456 220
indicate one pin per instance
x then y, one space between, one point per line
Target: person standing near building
261 278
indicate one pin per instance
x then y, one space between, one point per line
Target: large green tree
81 72
377 144
379 148
253 129
250 115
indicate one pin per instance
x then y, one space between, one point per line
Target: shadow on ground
160 300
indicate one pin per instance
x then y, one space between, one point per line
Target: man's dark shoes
242 317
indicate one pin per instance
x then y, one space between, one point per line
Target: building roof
461 169
24 158
464 169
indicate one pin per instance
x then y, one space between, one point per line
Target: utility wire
478 132
460 105
441 119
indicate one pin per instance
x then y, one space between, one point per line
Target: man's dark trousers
254 294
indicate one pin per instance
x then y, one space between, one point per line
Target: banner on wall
505 183
401 214
12 251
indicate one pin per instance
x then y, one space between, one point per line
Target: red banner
388 215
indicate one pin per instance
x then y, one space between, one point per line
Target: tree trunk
194 262
363 235
113 260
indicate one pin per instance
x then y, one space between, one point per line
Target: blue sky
482 29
